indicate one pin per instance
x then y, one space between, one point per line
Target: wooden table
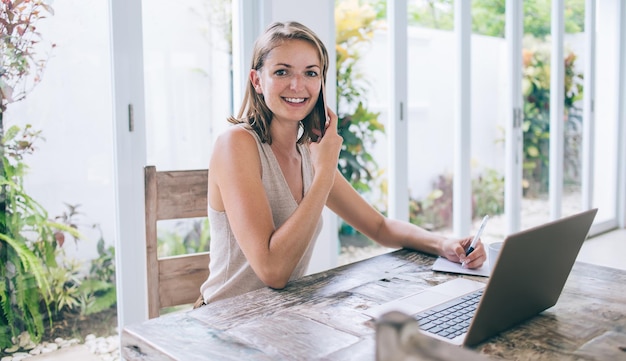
318 317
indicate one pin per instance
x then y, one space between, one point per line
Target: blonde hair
254 111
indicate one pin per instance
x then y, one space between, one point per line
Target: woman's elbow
276 285
274 279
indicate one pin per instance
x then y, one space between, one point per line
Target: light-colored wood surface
319 317
176 280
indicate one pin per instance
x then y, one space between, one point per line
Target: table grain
318 317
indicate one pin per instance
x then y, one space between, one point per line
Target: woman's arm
236 187
356 211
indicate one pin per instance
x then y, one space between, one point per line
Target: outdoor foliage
186 237
21 66
488 193
488 16
36 282
29 244
355 27
435 210
536 124
27 236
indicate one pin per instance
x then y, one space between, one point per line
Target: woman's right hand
325 152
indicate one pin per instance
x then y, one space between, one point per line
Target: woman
272 174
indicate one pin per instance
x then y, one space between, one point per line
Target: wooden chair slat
180 278
173 281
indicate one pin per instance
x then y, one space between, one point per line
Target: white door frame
129 160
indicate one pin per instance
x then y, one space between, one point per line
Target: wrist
443 243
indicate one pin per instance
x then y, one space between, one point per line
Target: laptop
527 278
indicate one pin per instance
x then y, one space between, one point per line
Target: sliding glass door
187 77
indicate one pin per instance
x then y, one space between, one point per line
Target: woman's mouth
295 100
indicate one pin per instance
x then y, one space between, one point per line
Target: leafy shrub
435 211
536 123
355 26
29 244
488 193
186 237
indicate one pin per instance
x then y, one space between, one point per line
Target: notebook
527 278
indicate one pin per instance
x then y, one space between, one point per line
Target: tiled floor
608 249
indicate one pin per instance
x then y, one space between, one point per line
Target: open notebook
527 278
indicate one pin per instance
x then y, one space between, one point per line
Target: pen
477 235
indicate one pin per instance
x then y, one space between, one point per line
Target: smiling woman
252 215
269 184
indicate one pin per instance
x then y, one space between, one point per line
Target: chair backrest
175 280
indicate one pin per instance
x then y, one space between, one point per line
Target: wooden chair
175 280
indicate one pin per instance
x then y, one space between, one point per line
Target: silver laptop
527 278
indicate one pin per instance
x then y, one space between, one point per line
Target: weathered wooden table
318 318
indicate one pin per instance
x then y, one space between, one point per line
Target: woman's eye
281 72
312 74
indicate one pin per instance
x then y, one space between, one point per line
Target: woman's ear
255 79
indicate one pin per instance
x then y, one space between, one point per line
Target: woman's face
290 80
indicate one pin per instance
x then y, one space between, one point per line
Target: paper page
444 265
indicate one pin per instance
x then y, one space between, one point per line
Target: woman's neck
284 140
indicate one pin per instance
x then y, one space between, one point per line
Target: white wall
431 103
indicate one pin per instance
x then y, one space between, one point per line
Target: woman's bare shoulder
235 144
235 137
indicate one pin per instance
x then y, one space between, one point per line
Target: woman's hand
454 250
325 152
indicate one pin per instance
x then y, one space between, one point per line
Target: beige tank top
230 273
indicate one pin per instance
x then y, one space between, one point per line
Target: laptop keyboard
450 319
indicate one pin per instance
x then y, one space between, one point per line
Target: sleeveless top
230 274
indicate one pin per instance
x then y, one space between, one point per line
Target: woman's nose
297 82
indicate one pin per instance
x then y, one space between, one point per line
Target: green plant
64 281
536 124
488 16
488 193
97 291
435 211
29 245
91 293
188 236
29 240
355 26
28 263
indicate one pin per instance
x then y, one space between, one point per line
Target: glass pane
606 117
536 118
536 91
431 89
361 90
433 73
187 75
70 174
489 78
188 94
574 52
